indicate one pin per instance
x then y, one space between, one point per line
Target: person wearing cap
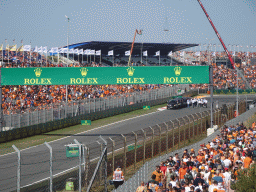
118 177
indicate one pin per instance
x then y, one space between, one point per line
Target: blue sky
43 22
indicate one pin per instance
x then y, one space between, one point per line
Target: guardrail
129 151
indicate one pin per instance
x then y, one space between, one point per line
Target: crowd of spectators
19 98
216 166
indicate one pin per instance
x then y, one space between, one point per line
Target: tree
246 180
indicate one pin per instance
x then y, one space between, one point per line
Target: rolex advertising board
105 75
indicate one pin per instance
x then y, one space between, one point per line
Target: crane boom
223 45
136 32
218 35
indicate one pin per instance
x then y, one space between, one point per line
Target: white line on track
97 128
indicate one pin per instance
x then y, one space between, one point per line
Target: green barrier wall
67 122
233 91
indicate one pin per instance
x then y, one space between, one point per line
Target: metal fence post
179 133
124 168
173 138
106 164
80 164
100 175
18 167
135 150
202 122
144 145
184 131
160 142
188 127
193 125
113 154
50 148
167 146
153 142
87 166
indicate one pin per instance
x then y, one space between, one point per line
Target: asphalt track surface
35 160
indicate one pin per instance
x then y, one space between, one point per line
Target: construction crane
136 32
223 45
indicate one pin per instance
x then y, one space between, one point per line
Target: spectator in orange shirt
247 161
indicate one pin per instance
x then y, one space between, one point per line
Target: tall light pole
211 81
67 36
67 58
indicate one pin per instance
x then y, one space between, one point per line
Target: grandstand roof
121 47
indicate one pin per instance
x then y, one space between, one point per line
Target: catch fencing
75 108
221 117
129 151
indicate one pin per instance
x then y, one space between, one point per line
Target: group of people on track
197 102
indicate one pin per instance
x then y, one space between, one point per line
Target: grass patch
40 139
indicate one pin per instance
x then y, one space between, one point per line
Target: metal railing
71 109
146 169
129 151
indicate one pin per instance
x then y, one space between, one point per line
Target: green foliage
246 180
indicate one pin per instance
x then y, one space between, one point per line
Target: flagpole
159 58
8 53
30 52
147 59
100 56
200 55
46 55
94 57
2 53
87 56
113 58
82 57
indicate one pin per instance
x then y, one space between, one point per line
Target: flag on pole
98 52
182 54
80 51
87 51
7 47
20 48
76 51
71 51
127 53
35 49
214 54
40 49
157 53
1 47
51 50
13 48
55 50
92 52
27 48
111 52
145 53
247 54
65 50
44 49
170 54
61 50
198 53
234 54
